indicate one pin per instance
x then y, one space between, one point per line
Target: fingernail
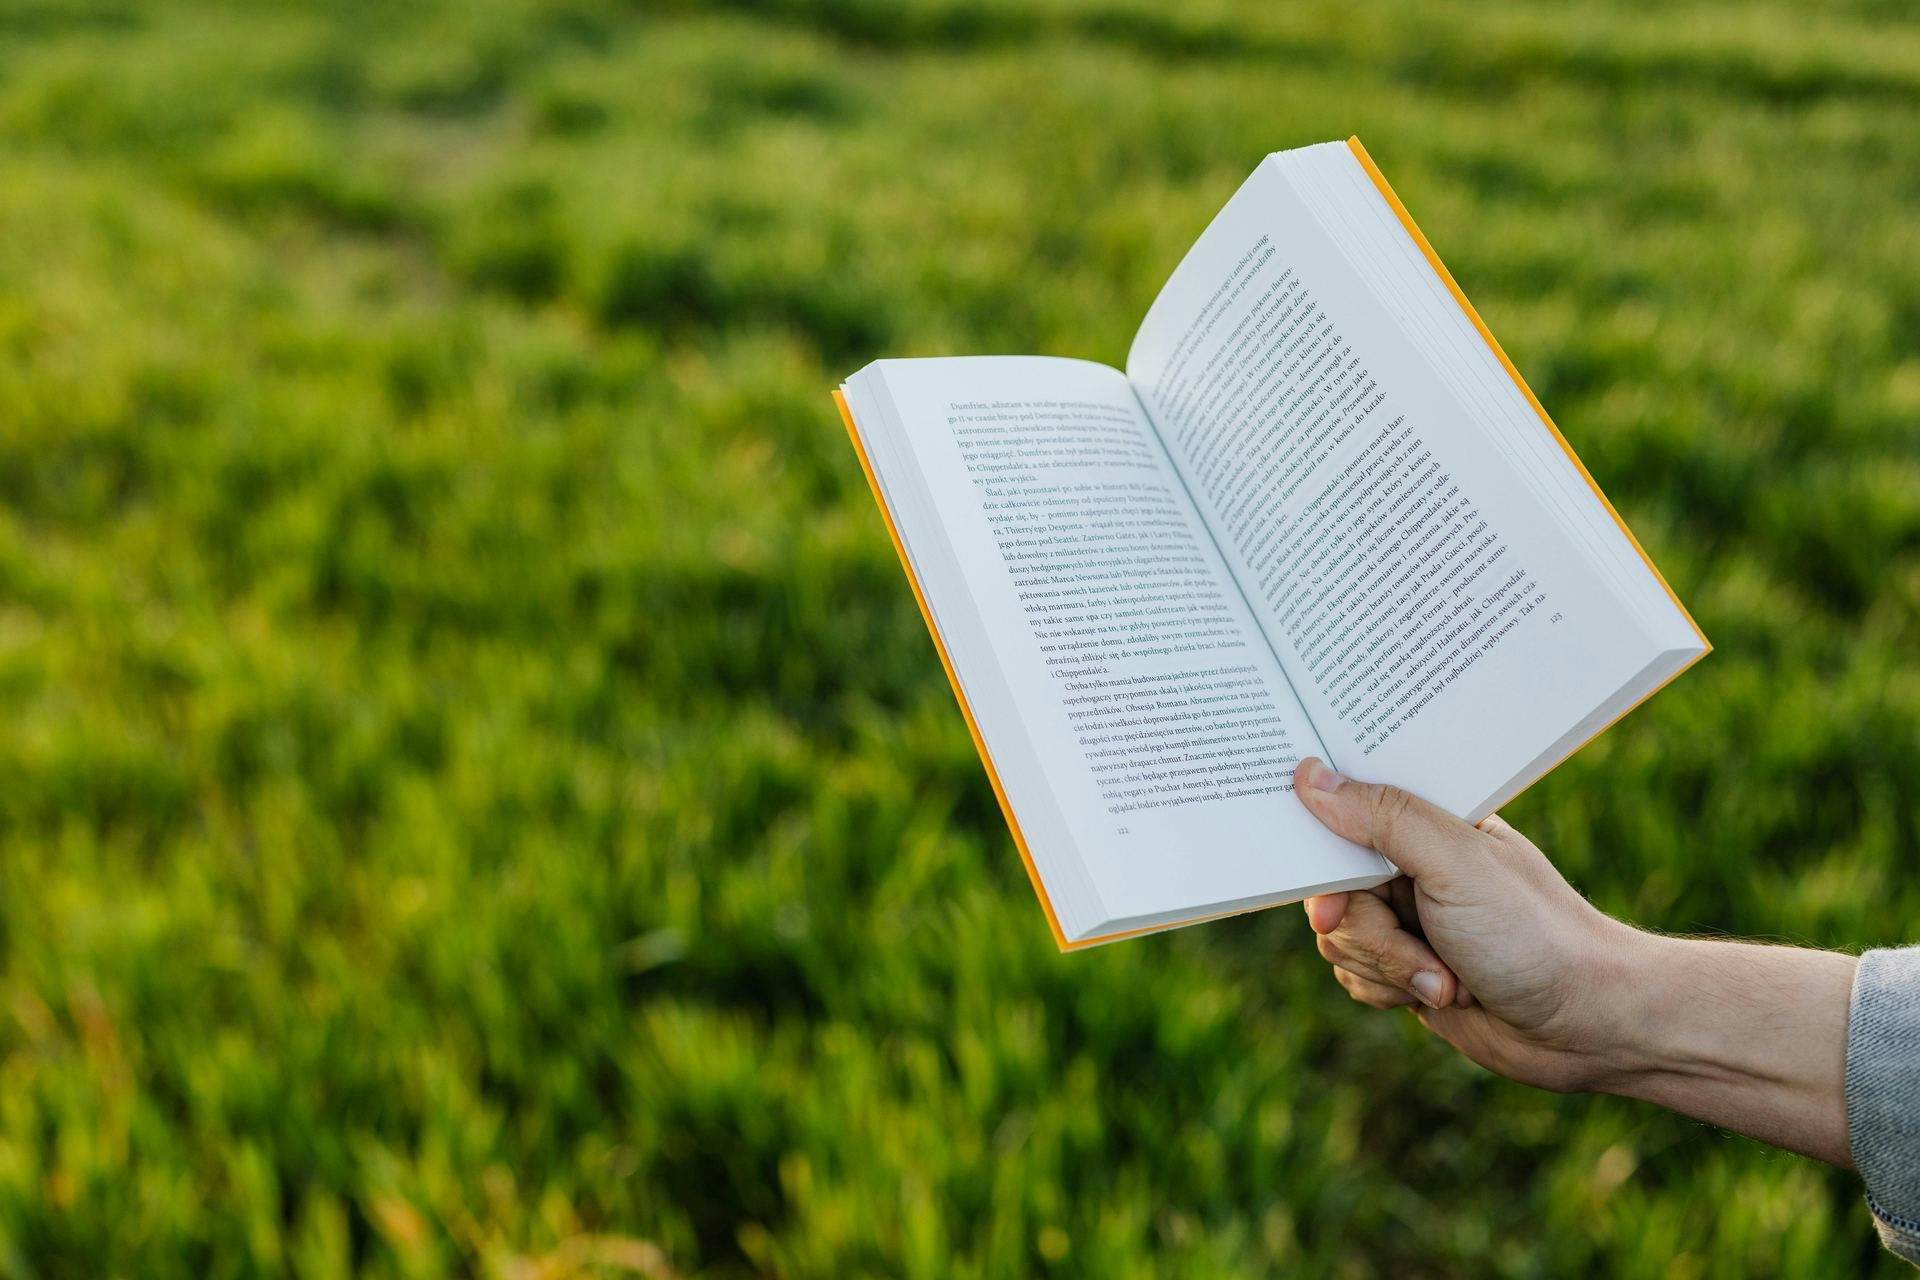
1426 985
1325 778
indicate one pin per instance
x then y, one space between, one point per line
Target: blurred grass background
476 797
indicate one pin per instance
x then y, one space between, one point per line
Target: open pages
1318 513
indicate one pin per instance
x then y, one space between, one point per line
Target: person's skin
1502 958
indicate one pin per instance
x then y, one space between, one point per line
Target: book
1318 512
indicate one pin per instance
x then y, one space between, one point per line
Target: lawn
476 794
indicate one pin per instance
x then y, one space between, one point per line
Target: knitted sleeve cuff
1883 1092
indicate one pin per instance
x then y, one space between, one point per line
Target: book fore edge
953 677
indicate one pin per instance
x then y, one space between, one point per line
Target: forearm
1750 1038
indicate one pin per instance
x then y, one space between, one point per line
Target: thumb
1426 842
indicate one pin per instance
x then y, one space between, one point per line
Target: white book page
1438 621
1157 712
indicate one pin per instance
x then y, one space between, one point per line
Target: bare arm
1751 1038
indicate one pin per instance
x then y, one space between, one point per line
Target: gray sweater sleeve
1883 1092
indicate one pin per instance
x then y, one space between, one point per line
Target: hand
1503 960
1512 966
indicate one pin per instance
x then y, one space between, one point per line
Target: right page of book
1442 625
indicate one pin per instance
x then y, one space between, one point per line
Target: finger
1503 837
1435 981
1371 942
1324 912
1368 992
1496 826
1426 842
1401 897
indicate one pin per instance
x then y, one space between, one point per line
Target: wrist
1625 1029
1644 1029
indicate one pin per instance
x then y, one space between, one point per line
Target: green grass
476 796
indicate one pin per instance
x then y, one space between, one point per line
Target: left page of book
1137 722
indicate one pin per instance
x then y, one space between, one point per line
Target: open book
1318 513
